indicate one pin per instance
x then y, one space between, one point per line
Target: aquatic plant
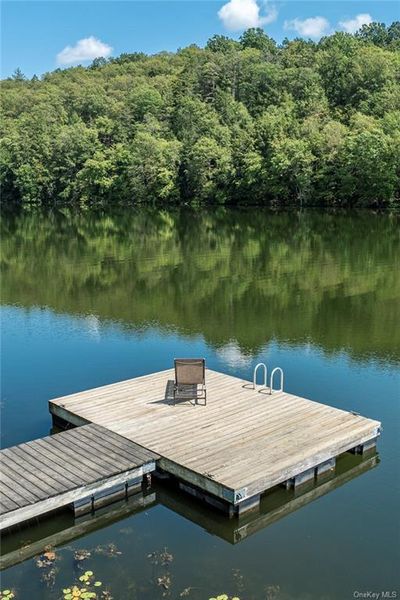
46 562
88 587
224 597
82 554
161 561
6 595
162 557
46 559
108 550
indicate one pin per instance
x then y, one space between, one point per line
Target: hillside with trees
238 122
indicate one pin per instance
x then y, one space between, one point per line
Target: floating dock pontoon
243 442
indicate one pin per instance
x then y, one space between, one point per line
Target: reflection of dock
64 527
277 504
231 450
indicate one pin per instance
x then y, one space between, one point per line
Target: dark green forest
236 122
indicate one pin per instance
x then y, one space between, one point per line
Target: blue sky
40 36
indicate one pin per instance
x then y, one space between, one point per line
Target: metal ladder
271 379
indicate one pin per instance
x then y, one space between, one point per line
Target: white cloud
242 14
353 25
313 27
86 49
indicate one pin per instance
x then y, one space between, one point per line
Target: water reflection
232 356
239 279
94 299
57 530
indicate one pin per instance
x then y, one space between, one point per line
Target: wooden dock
275 505
230 451
87 467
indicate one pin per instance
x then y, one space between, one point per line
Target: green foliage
380 35
225 597
235 122
7 595
256 38
221 43
86 588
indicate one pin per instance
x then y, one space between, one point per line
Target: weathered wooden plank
275 428
44 474
61 468
13 492
11 481
103 445
268 481
287 447
241 440
14 472
114 390
51 503
70 463
107 460
123 443
75 453
6 504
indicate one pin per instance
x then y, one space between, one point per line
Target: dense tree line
245 121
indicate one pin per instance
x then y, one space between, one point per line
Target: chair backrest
190 370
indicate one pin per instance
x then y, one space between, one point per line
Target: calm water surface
89 299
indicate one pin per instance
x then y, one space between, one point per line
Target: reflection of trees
227 274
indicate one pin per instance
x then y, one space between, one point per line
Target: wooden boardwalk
275 505
240 444
85 466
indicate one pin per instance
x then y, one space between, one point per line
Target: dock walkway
240 444
275 505
85 467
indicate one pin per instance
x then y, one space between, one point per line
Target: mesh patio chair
190 381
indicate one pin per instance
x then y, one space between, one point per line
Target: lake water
89 299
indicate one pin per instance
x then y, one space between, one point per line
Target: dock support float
309 475
90 504
252 503
365 447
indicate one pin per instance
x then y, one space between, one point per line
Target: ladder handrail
271 381
255 375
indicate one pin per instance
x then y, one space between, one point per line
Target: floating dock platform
85 467
229 451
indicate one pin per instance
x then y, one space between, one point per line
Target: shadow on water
63 527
